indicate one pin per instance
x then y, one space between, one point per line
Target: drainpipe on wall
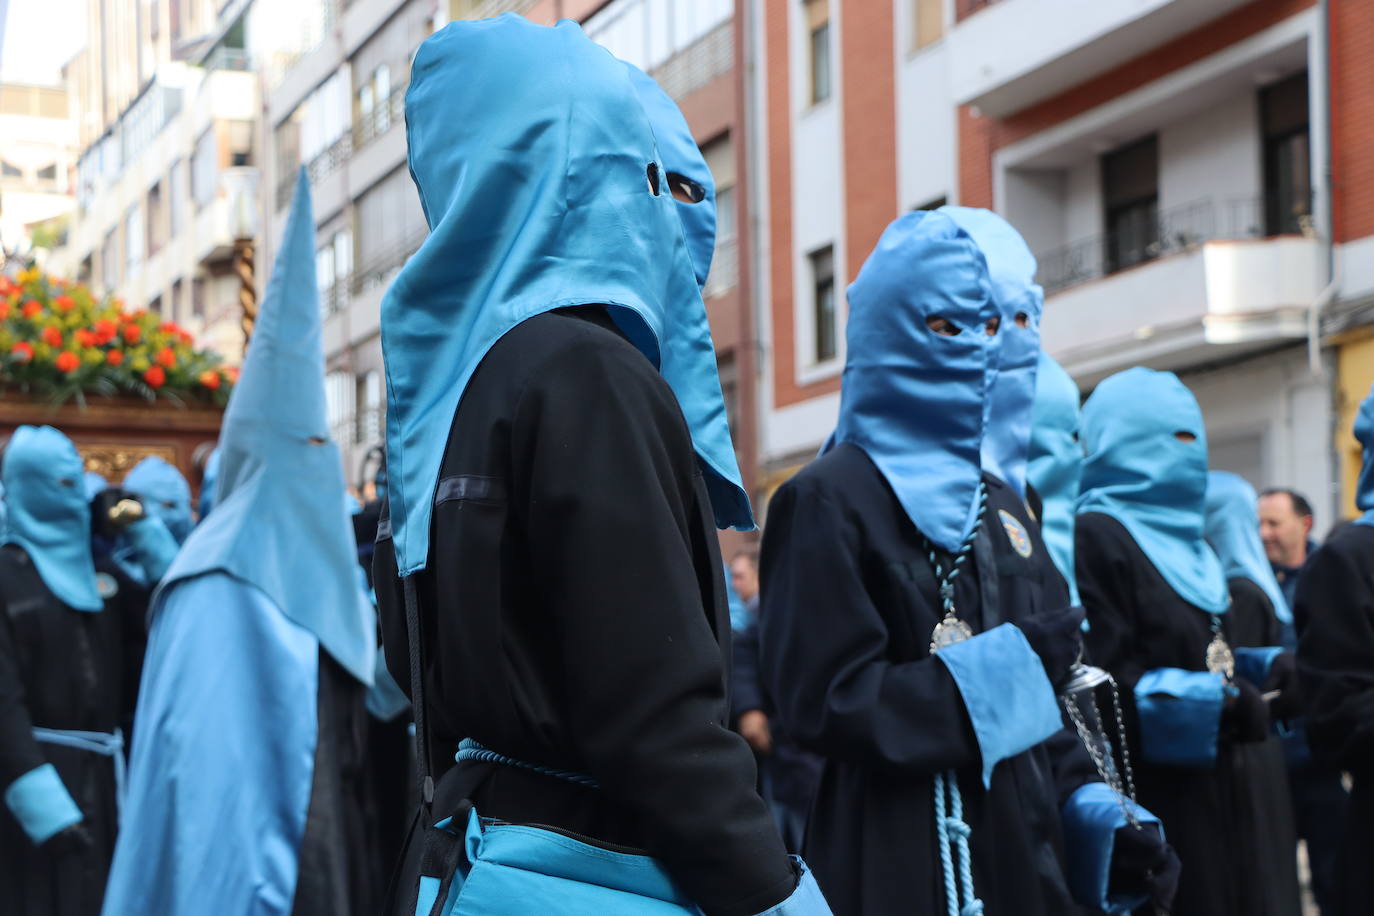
1328 230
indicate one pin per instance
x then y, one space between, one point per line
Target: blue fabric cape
682 156
1055 467
1364 487
49 515
208 481
1139 473
542 186
279 522
1019 300
1233 531
913 399
164 494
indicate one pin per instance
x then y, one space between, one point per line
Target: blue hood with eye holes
1141 474
914 399
543 188
1055 465
49 515
165 494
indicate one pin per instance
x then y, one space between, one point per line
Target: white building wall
1212 155
926 116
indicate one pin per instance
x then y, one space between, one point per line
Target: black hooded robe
1335 616
575 616
60 668
849 603
1232 825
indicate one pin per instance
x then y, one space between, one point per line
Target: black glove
1283 677
1245 717
1143 864
1057 637
69 841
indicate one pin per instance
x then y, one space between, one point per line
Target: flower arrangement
59 340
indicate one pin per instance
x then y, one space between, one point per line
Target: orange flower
85 338
168 327
67 362
4 309
23 350
166 357
210 379
155 377
132 333
64 303
52 337
232 374
31 308
115 357
186 338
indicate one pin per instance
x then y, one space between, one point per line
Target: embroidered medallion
106 586
1016 533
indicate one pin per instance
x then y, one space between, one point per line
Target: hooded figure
556 454
1157 601
209 479
260 619
1055 467
67 684
164 493
857 547
1334 613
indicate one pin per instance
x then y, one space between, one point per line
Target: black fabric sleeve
19 752
746 695
1336 656
605 479
1106 587
824 650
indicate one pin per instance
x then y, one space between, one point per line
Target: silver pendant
949 631
1220 659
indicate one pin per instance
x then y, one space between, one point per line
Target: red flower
168 327
64 303
85 338
132 333
232 374
23 351
4 309
67 361
186 338
166 357
31 308
115 357
155 377
210 379
52 337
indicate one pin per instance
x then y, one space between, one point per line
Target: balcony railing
380 268
322 166
388 114
1171 231
223 58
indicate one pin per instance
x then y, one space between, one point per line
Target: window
818 27
338 397
176 304
370 416
156 305
204 169
11 170
198 297
1287 156
935 204
648 32
176 196
1130 195
48 172
155 236
324 277
927 23
133 238
240 143
109 262
823 303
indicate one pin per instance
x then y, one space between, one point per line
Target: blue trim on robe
1007 694
41 803
155 547
1091 817
1254 662
1180 716
223 758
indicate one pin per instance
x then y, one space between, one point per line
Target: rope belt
469 749
108 744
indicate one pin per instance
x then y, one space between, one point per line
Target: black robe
574 613
849 603
1335 616
1232 825
60 668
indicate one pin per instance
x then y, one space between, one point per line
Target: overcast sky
40 36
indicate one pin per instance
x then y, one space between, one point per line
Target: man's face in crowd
1283 531
744 576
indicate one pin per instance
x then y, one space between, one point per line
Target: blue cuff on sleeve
1008 697
1253 663
806 900
1091 818
154 547
41 803
1180 716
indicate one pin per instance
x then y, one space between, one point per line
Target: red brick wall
1352 117
869 120
778 124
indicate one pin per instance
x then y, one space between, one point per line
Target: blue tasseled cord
469 749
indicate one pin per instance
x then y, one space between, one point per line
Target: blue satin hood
164 494
95 484
1019 300
279 521
1137 472
1055 467
209 479
913 399
49 515
682 155
1233 531
1364 487
532 154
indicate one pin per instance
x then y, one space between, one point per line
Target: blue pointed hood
913 399
682 156
95 484
164 494
533 156
279 521
1139 473
4 513
209 479
1232 529
1055 466
49 515
1364 486
1011 269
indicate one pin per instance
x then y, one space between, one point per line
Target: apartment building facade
1188 173
37 163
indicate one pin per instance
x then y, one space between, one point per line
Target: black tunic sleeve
19 752
825 650
1335 598
1107 587
606 479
